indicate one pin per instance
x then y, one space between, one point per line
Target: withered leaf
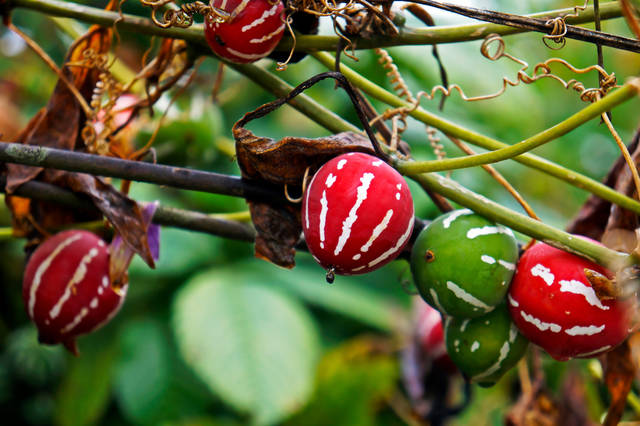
597 214
266 161
122 212
539 408
536 407
277 232
59 125
619 372
573 401
603 286
285 161
634 345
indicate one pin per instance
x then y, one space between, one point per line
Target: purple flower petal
122 254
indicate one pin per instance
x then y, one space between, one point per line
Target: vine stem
178 177
306 43
539 25
518 222
576 179
626 92
448 188
165 216
261 77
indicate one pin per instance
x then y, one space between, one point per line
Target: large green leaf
150 384
352 382
142 371
347 296
85 391
253 346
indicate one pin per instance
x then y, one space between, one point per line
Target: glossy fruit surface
486 347
429 332
251 32
66 288
554 305
357 214
463 263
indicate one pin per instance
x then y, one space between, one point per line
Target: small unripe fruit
251 32
462 263
554 305
486 347
357 214
66 288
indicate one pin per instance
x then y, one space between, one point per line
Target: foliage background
216 337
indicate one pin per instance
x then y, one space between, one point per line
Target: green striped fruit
486 347
463 263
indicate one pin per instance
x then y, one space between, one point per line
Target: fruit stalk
164 216
518 222
306 43
571 177
627 92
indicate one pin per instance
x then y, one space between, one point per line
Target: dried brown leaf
535 409
277 232
594 216
539 408
59 125
619 372
265 161
122 212
285 161
622 219
634 345
603 286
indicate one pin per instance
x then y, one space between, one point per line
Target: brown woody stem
165 216
178 177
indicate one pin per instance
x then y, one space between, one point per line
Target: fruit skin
357 214
554 305
429 332
486 347
462 263
253 30
66 288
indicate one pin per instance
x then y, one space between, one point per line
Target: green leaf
347 296
254 347
84 393
142 372
36 364
352 381
174 258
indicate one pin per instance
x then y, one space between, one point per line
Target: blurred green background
214 336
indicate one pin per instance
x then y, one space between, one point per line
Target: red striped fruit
357 214
554 305
251 32
66 288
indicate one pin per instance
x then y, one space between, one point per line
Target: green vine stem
165 216
530 160
448 188
407 36
263 78
524 224
445 34
303 103
594 110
